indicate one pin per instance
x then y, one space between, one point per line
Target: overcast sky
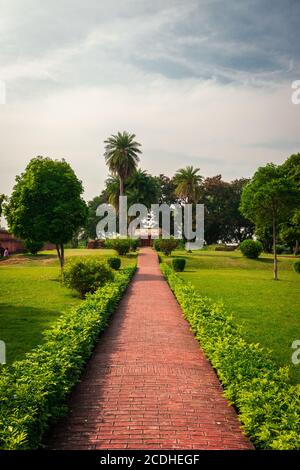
206 83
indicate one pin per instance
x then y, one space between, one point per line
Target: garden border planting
266 401
33 391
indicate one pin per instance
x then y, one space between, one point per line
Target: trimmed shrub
178 264
297 266
33 247
87 274
267 403
168 245
251 248
121 245
156 244
114 263
33 391
134 243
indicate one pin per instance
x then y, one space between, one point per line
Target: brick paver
148 384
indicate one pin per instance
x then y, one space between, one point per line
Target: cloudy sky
201 82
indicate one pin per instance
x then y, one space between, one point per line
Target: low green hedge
33 391
268 405
297 267
178 264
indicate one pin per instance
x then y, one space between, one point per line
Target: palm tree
187 184
121 156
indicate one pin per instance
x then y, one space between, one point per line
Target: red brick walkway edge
148 384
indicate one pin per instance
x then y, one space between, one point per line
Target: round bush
168 245
251 248
114 263
178 264
33 246
121 245
297 267
87 274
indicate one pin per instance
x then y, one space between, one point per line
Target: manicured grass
32 297
268 310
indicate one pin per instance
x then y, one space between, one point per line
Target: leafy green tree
142 188
187 183
122 156
290 232
223 220
268 200
89 231
2 200
167 190
237 227
46 203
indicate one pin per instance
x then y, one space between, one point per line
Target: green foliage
87 274
297 267
122 155
33 247
267 403
156 244
121 245
167 245
134 243
187 183
46 202
33 391
269 196
178 264
142 188
251 248
283 249
2 200
223 220
114 262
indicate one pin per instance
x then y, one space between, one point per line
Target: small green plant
251 248
156 244
33 246
168 245
297 266
178 264
134 243
114 262
87 274
121 245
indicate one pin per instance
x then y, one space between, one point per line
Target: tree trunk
121 187
61 256
296 248
275 250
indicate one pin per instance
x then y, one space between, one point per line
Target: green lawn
268 310
31 297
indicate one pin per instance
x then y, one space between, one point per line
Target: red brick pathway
148 384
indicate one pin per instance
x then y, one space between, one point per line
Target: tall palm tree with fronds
122 156
187 184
